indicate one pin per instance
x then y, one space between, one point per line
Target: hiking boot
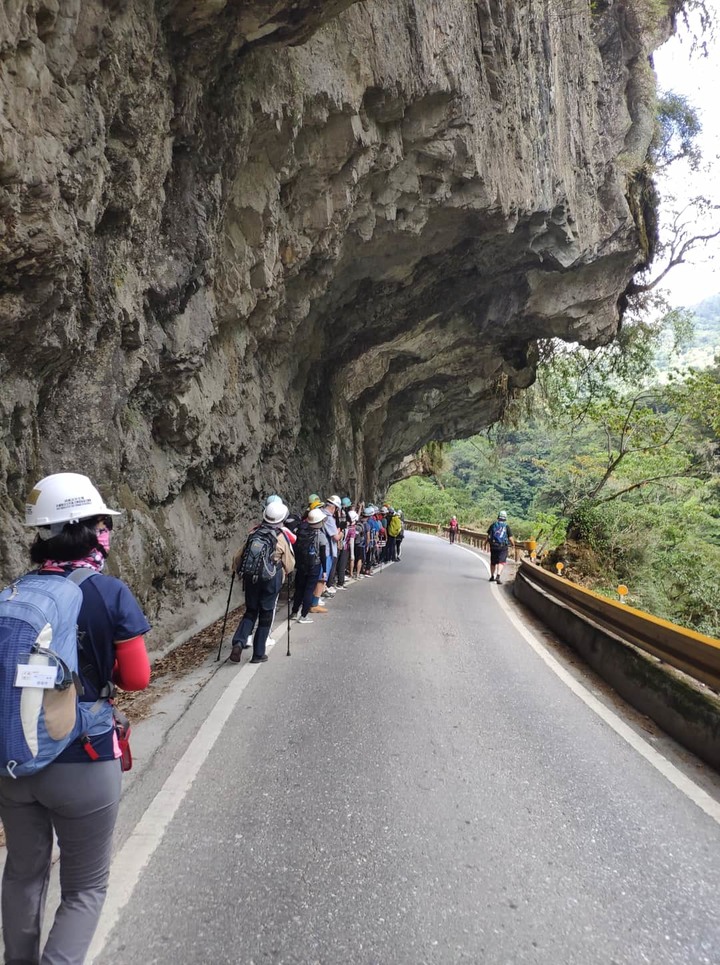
318 609
305 620
236 653
259 659
492 579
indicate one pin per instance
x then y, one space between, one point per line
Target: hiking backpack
307 547
499 534
394 527
40 712
257 562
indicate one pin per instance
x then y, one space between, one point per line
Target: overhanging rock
273 246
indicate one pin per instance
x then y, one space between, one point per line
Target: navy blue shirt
109 612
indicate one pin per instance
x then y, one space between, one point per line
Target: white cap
65 497
316 516
275 512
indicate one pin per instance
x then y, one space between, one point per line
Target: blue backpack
499 534
40 711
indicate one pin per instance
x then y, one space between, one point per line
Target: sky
698 78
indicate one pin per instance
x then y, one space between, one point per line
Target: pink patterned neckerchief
95 560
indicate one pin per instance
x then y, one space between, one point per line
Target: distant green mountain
704 346
707 322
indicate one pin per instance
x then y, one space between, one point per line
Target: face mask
103 538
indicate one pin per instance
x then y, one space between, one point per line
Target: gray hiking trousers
81 802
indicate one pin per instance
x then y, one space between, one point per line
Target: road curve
414 785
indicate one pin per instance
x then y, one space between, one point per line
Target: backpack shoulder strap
81 574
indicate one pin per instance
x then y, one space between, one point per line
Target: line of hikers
70 635
329 544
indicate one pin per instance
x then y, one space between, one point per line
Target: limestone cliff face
277 246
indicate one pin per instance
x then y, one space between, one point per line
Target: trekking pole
288 654
227 610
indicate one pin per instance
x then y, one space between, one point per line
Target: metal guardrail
471 537
694 653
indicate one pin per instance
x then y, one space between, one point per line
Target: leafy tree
678 128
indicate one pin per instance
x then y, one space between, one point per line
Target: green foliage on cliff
617 472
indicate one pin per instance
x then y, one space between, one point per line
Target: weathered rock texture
259 246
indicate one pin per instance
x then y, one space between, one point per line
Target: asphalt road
414 785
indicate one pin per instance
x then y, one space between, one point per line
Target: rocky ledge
258 246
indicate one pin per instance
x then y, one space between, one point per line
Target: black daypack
256 562
307 547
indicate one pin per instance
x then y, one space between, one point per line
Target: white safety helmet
275 512
502 515
65 497
316 516
334 501
352 516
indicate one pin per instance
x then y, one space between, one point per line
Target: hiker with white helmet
370 529
331 510
358 549
343 524
310 555
500 537
62 755
263 563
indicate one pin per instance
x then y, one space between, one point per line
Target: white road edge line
138 849
130 861
688 787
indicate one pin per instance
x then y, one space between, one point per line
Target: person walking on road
331 509
265 560
453 529
77 795
359 549
500 538
401 535
394 528
310 556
